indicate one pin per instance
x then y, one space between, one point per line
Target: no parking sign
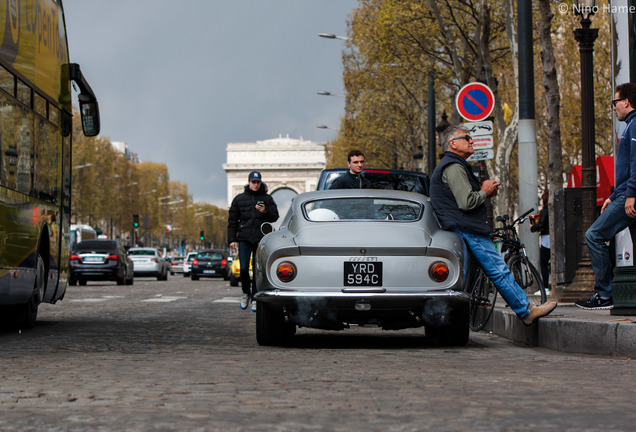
475 101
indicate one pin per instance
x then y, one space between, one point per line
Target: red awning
604 178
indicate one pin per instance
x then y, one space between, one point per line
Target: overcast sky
177 81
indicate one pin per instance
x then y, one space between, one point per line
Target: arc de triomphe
289 166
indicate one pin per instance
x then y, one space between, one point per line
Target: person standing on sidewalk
249 210
354 178
619 210
543 228
460 204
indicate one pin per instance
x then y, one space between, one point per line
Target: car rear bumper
95 274
382 300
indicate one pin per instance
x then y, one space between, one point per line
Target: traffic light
136 220
202 235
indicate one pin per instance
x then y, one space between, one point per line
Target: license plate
362 273
93 259
209 271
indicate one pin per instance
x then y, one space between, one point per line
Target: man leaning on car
354 178
459 202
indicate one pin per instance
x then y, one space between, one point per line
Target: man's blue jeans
245 252
497 271
608 224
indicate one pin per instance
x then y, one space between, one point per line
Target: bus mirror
90 118
89 109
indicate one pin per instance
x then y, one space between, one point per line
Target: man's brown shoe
539 311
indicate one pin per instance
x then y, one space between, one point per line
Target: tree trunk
553 103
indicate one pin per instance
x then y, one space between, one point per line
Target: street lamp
83 166
584 279
321 126
326 93
332 36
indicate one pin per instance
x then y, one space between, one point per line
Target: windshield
362 209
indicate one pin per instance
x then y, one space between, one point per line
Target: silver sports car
362 257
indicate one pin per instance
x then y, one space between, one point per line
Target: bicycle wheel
483 296
528 278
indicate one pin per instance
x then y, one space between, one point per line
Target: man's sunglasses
466 137
615 101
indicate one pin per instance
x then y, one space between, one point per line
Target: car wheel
271 328
233 280
194 277
82 282
453 330
72 281
121 280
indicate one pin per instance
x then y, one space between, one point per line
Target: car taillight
286 271
195 262
223 263
438 271
154 259
112 258
75 257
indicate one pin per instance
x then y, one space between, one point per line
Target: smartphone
260 202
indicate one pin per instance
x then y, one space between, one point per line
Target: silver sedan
149 262
360 257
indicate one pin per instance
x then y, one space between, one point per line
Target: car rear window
96 245
210 255
141 252
364 208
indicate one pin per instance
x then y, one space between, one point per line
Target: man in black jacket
249 210
352 179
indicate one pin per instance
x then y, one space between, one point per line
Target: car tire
233 280
455 330
271 328
194 277
121 280
72 281
82 282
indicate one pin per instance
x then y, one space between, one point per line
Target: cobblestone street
180 355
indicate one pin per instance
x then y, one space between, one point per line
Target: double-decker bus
35 154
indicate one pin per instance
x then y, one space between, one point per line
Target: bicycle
514 253
483 294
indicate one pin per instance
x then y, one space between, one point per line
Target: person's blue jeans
246 251
608 224
497 271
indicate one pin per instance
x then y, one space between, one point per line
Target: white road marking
228 300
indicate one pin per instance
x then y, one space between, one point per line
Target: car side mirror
267 228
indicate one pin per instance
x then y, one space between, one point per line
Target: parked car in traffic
187 263
364 257
235 271
149 262
100 260
391 179
209 263
176 264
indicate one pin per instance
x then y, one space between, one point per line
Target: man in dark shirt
354 178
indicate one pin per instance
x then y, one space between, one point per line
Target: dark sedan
100 260
209 263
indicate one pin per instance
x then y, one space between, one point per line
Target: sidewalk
571 329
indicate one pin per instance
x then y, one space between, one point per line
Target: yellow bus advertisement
33 42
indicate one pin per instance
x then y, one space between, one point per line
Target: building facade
287 165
